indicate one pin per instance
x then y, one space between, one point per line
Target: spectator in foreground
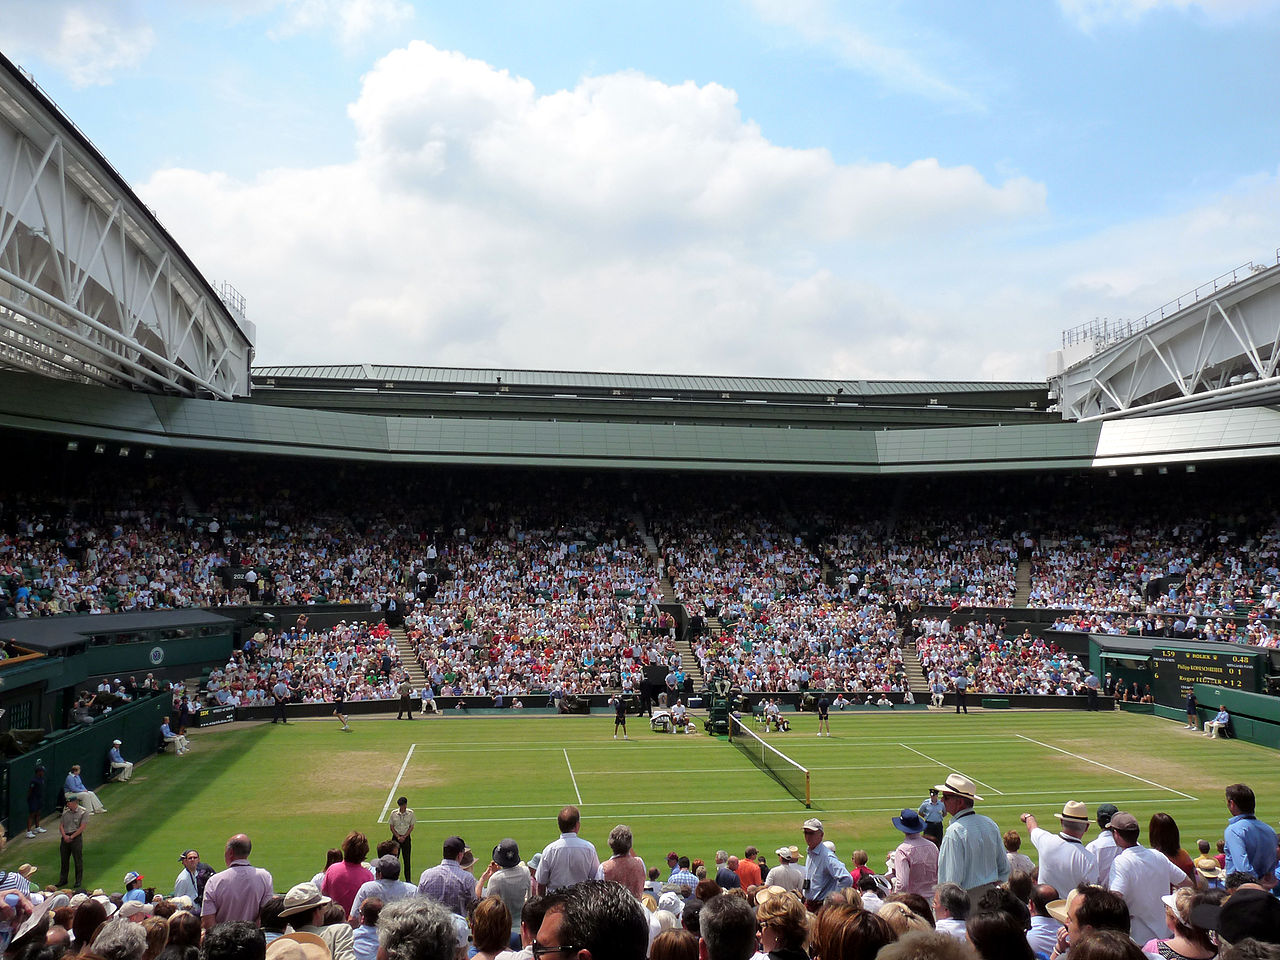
1107 945
784 927
601 920
416 929
236 940
1143 877
624 866
238 892
490 923
365 938
344 879
972 852
1250 844
928 946
568 860
844 932
728 928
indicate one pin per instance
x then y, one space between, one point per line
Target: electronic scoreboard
1174 670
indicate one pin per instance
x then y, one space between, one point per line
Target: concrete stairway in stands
667 594
1023 593
409 659
916 679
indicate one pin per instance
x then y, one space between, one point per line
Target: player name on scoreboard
1173 671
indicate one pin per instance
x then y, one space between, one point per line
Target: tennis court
298 789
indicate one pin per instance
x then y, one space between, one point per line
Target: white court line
957 770
395 786
666 815
668 770
1132 776
572 777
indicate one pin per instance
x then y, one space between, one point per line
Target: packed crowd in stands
1253 632
941 563
816 641
509 584
552 601
361 659
992 662
1098 884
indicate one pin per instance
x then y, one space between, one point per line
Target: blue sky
734 186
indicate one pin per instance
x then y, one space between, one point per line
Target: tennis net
793 777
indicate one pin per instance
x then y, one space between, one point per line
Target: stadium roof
124 423
636 384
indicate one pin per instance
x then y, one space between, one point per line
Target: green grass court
297 790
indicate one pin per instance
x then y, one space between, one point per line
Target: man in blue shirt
961 684
682 876
1211 727
824 873
972 852
74 786
1250 843
120 763
932 812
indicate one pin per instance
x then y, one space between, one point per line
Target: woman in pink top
624 866
342 880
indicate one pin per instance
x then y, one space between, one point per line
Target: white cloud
88 42
1090 13
895 67
626 224
351 20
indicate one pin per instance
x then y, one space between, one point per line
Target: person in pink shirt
624 866
239 891
342 880
914 863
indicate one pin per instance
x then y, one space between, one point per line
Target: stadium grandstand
251 543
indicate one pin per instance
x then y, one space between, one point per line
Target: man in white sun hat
972 851
1065 863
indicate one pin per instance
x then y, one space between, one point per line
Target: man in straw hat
914 864
298 946
1065 862
304 909
1208 868
972 851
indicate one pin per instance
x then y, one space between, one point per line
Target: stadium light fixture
148 454
73 445
1191 468
99 448
123 452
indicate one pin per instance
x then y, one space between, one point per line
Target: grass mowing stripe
470 746
395 786
956 769
597 804
1112 769
679 811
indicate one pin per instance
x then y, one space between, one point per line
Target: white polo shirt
1065 862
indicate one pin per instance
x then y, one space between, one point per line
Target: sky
897 189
